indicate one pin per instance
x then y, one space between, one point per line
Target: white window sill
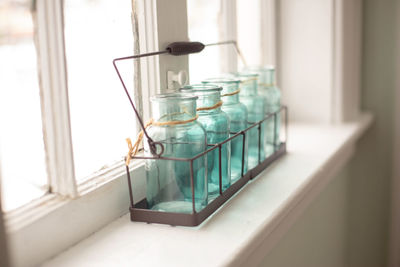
247 225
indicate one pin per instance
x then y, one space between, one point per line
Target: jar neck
248 87
230 88
267 77
208 100
173 110
233 99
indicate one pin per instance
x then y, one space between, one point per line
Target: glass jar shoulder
214 120
253 103
271 92
236 111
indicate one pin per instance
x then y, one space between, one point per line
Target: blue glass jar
217 125
256 112
175 126
272 96
237 113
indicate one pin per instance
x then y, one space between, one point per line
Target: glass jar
168 181
272 95
237 113
217 125
256 112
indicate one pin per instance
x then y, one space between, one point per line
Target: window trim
332 69
54 98
105 197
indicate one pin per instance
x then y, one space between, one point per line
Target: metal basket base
139 213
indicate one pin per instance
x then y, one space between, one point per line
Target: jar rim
221 80
201 88
173 97
246 74
260 67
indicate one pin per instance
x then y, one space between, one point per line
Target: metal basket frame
140 213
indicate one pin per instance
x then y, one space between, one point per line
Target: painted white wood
319 58
255 218
156 29
346 60
146 14
137 75
104 197
53 224
305 54
54 97
272 232
172 26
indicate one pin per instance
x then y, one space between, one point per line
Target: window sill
247 226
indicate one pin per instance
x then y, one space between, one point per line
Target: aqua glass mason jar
256 112
176 127
237 113
272 95
217 125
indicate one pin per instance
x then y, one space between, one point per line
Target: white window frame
331 69
104 197
54 94
93 204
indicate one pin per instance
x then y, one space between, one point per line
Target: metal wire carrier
140 212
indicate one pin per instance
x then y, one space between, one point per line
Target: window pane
22 155
204 26
249 30
96 32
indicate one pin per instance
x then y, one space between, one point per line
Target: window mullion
154 31
54 94
145 16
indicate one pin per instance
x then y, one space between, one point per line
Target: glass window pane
96 32
249 30
204 26
23 170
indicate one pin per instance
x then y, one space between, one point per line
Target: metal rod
236 47
150 141
128 175
220 168
213 146
275 130
243 150
192 185
286 123
259 142
177 48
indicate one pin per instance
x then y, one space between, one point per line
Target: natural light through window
204 20
23 171
249 31
96 32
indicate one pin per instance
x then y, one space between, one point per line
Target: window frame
50 45
103 198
